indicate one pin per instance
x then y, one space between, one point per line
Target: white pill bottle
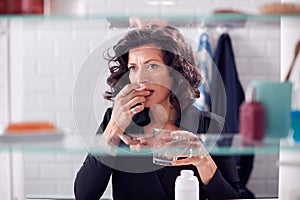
186 186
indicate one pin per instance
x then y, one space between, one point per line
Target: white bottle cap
187 180
186 174
250 94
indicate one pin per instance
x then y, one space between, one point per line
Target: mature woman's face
146 66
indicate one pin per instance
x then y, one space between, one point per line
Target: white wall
3 74
54 50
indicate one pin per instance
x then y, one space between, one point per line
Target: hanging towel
205 55
225 62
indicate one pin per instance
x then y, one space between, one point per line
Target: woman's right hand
129 101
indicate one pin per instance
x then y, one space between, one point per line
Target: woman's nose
142 76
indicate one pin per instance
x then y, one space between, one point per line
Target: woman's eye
152 66
132 68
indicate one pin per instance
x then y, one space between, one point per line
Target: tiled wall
3 74
54 50
60 47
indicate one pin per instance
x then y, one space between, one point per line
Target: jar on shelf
21 6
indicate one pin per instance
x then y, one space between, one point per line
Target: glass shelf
177 16
226 144
230 20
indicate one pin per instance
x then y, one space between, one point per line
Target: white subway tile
72 50
65 187
56 103
65 120
54 25
242 65
70 158
64 84
265 67
273 157
272 187
70 42
32 171
259 171
39 157
40 187
246 49
106 9
39 116
184 10
30 33
56 171
38 49
83 102
273 49
264 34
54 67
260 158
38 85
30 67
31 103
273 170
54 35
259 187
239 34
88 35
89 25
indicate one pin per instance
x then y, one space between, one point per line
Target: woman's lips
151 92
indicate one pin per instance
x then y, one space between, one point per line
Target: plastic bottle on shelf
295 118
251 118
186 186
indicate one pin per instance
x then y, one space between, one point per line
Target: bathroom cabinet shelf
227 144
229 20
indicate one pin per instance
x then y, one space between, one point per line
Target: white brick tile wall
60 75
38 50
63 187
38 85
69 158
56 171
261 67
65 120
72 50
272 187
38 157
40 187
259 186
31 68
55 49
55 103
45 116
55 85
32 171
3 74
64 84
54 67
32 104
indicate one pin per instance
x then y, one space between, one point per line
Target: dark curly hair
177 55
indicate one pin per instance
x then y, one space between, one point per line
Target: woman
150 70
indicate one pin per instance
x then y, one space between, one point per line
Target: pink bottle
251 118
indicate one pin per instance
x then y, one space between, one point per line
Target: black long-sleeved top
146 183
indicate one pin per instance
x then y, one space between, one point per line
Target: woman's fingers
128 89
128 140
136 101
183 133
136 93
193 160
139 147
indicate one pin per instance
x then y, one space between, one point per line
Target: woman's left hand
197 156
